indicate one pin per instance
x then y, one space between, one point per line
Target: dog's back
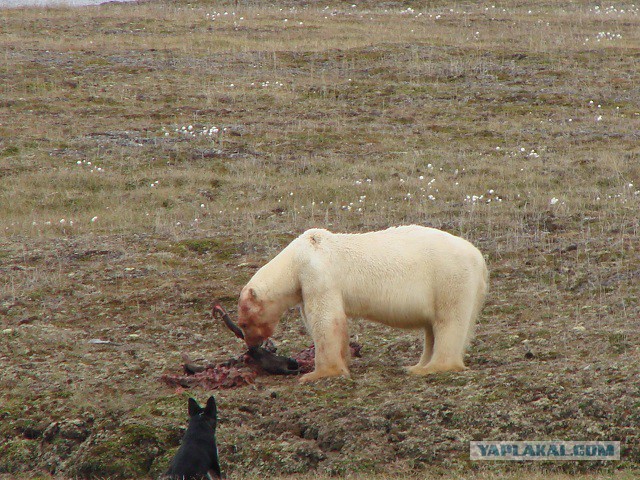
197 457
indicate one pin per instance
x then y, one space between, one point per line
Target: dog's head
208 414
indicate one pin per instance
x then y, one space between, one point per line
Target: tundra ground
154 155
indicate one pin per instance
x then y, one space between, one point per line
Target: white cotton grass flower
94 219
553 201
474 198
198 131
94 168
487 198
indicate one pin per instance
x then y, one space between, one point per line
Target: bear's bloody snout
254 336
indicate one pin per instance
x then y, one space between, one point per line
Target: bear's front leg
328 327
319 374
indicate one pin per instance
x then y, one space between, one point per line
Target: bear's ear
253 294
194 408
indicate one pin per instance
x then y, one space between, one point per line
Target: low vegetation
153 155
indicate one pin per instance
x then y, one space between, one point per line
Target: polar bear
411 277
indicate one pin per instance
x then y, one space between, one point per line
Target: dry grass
515 127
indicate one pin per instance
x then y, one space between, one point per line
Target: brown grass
515 127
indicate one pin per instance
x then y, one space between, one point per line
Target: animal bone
265 354
220 312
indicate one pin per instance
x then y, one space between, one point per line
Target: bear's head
257 317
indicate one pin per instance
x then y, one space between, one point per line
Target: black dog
197 457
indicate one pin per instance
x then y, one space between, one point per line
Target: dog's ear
211 410
194 408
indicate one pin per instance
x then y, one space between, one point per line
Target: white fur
409 277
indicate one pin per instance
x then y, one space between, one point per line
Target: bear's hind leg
448 345
426 352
